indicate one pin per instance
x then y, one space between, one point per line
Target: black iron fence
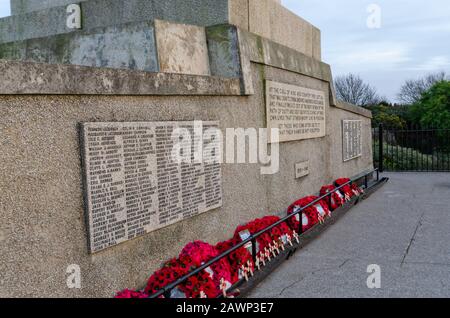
411 149
363 180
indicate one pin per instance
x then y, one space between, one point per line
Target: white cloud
435 63
371 56
412 41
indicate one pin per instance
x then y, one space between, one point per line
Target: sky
411 39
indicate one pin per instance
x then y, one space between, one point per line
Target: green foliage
396 158
433 108
387 115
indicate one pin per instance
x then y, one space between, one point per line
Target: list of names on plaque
352 139
133 184
298 112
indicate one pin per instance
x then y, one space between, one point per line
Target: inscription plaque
298 112
132 185
352 141
301 169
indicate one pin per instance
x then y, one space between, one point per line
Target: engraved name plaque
298 112
134 186
352 141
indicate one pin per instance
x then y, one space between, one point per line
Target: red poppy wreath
310 216
335 200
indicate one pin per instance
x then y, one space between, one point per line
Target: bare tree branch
352 89
412 90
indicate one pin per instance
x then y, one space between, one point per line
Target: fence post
254 249
380 148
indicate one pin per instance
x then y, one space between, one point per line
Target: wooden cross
258 265
244 272
223 287
296 236
289 239
249 267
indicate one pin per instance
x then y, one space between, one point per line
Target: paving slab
404 228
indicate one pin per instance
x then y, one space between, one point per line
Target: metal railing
413 148
166 291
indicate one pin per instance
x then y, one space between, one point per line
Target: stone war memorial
97 98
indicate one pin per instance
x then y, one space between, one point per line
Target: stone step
129 46
104 13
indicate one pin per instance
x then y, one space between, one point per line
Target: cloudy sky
413 38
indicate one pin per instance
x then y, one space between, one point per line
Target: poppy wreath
323 209
169 273
335 200
210 281
346 190
311 215
242 232
279 234
356 189
128 293
238 260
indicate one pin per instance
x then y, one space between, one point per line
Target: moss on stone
11 51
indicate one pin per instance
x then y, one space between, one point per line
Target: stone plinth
268 18
26 6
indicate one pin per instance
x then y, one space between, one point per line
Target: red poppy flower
346 190
127 293
335 200
310 216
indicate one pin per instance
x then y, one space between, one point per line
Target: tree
412 90
387 114
433 108
352 89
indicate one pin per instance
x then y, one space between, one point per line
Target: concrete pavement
404 228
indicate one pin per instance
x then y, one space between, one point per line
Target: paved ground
404 228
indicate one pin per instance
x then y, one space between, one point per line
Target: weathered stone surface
316 44
37 78
238 12
130 46
103 13
267 18
182 48
354 109
26 6
41 178
271 20
257 49
223 48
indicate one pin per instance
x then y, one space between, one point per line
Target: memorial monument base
214 71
